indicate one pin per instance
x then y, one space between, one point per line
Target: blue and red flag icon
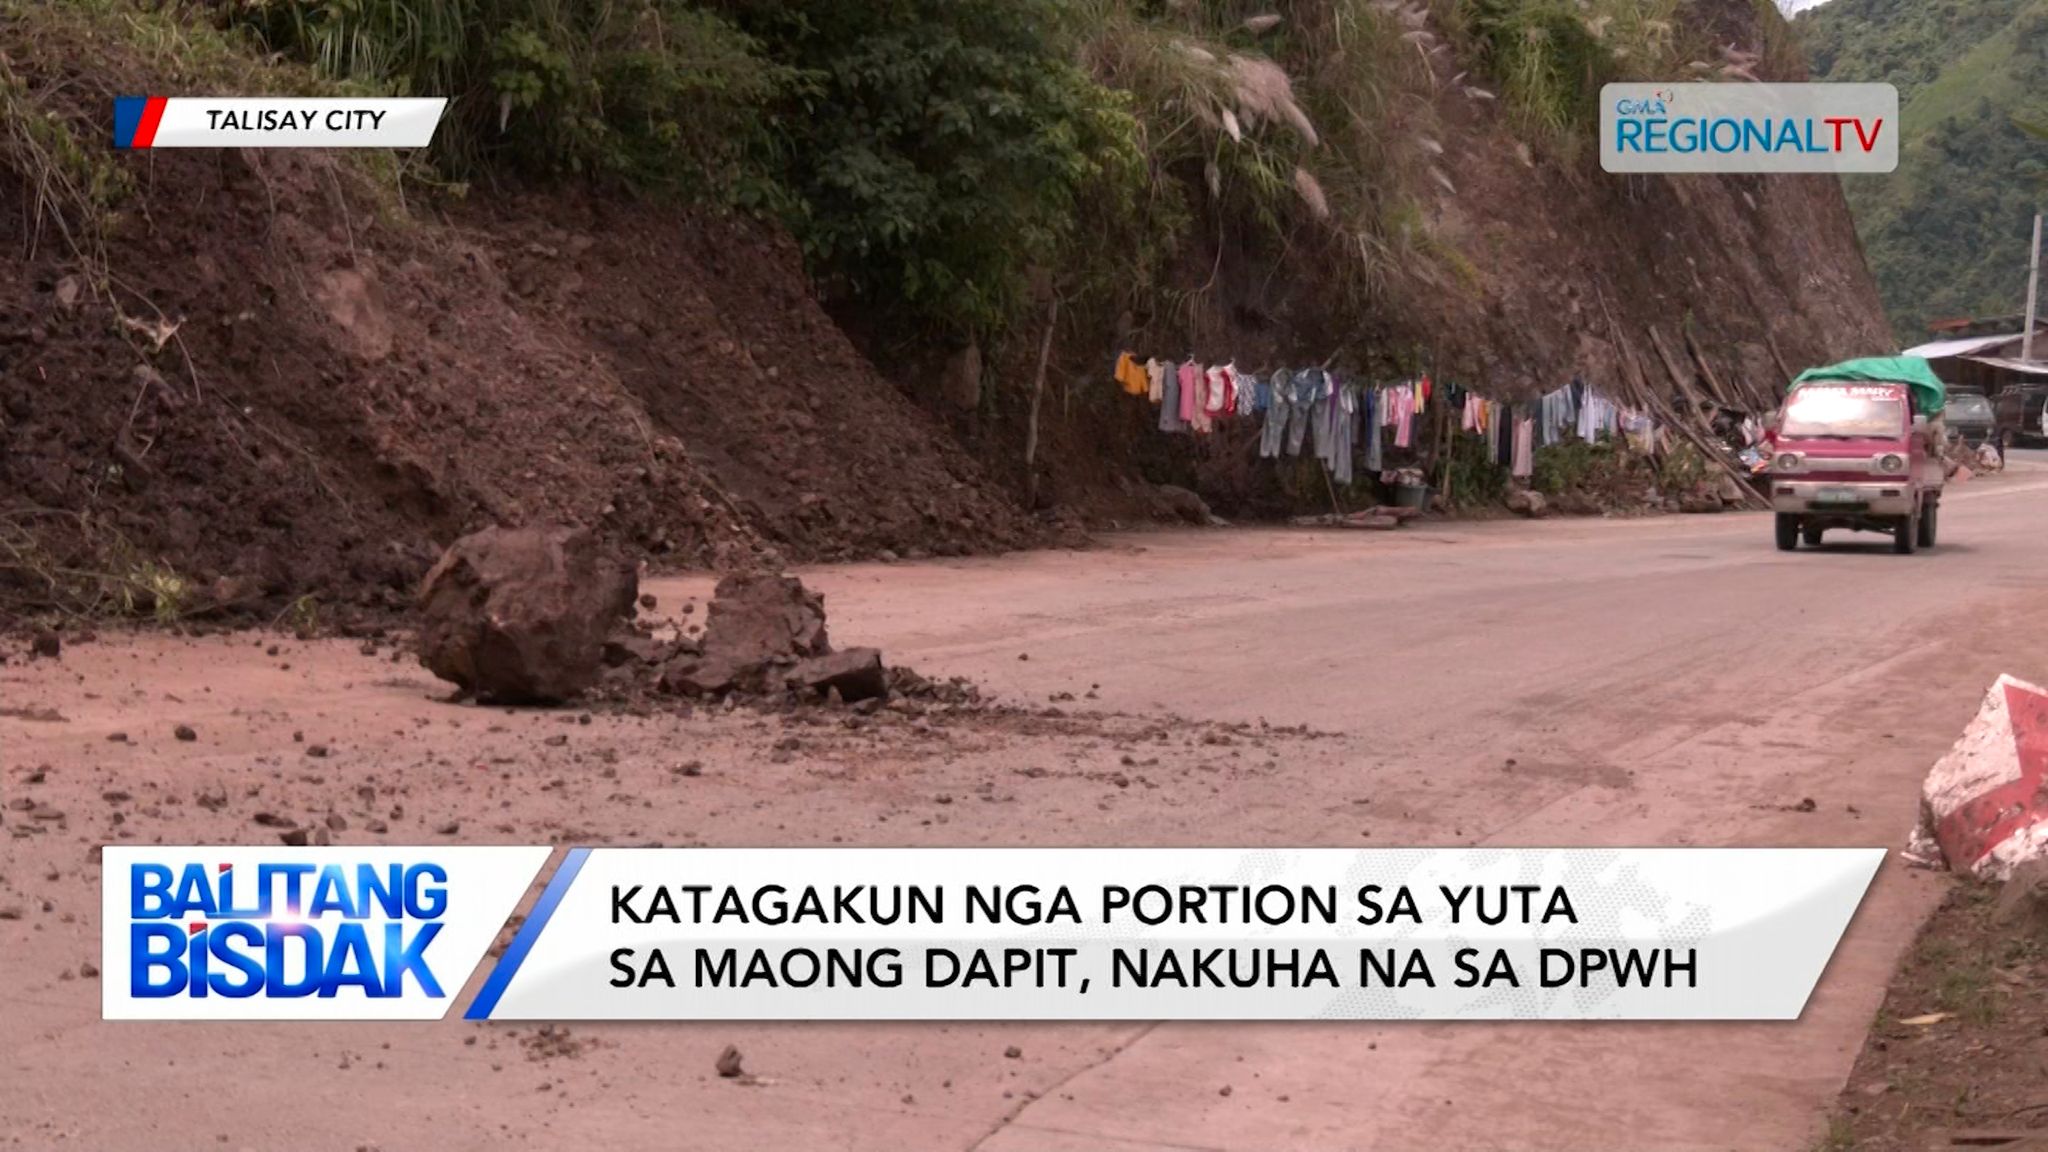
136 119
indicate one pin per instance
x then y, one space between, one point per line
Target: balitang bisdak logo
301 933
1749 127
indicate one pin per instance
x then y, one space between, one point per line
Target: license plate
1837 496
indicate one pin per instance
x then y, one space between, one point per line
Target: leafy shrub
937 152
1475 475
1608 469
657 92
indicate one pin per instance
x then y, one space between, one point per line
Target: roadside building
1987 363
1972 358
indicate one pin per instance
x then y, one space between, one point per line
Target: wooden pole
1678 379
1699 357
1771 342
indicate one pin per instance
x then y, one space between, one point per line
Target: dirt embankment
286 384
289 383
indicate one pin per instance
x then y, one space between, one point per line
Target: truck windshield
1968 408
1842 412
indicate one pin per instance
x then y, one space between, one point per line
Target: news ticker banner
275 122
1747 127
976 934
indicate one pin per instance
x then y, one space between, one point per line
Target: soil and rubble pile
765 633
544 615
285 384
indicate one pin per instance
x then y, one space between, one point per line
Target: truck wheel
1927 525
1810 535
1788 532
1906 535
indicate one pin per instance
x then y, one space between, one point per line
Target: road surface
1666 681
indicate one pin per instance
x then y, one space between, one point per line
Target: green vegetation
655 93
1946 235
943 162
80 188
1552 56
927 154
1474 476
937 152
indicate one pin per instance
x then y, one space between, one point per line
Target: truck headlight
1891 462
1787 462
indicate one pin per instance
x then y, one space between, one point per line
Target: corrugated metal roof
2029 367
1941 349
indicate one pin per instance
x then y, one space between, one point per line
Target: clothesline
1336 416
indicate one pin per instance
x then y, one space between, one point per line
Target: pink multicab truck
1855 448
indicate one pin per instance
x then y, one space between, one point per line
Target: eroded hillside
250 381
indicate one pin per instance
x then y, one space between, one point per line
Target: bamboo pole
1771 342
1038 393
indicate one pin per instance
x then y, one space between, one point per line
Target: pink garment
1190 384
1524 455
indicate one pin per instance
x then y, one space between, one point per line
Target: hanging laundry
1169 401
1216 397
1524 455
1343 433
1403 396
1130 375
1198 410
1310 390
1155 380
1279 408
1190 375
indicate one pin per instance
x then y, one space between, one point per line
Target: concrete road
1672 680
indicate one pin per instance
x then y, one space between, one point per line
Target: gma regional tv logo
301 933
1739 127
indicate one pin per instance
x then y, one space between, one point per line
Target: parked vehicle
1970 416
2020 412
1854 448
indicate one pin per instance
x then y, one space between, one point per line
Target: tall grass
657 92
1306 124
1551 56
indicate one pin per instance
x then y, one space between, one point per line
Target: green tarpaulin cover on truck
1929 393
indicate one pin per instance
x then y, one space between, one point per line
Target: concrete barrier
1986 800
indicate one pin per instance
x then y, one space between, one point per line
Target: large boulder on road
520 615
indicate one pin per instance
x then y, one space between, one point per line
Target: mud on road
1668 681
